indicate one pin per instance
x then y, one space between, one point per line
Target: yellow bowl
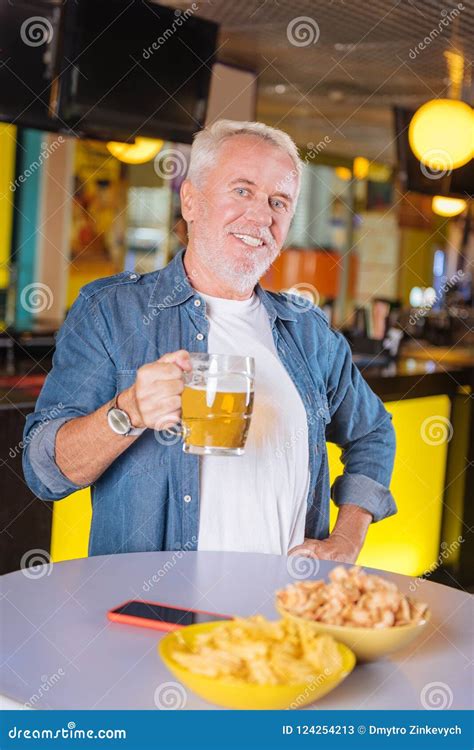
245 696
367 644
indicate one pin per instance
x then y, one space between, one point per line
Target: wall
377 244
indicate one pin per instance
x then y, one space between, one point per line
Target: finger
302 549
160 389
170 405
295 550
166 414
166 421
164 371
180 357
155 411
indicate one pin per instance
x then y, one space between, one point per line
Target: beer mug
217 403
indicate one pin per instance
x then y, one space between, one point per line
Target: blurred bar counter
410 378
459 356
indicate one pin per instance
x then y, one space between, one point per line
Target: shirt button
199 337
187 498
197 303
133 276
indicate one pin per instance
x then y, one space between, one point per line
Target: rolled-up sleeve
81 380
362 427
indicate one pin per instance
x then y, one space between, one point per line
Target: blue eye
241 190
279 202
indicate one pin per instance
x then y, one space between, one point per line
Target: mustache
263 233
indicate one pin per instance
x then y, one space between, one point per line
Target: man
117 379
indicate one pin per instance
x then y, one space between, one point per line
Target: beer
216 404
214 421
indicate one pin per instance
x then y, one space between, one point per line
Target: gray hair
207 142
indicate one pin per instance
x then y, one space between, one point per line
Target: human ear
188 200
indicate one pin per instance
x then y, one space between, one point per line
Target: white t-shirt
256 502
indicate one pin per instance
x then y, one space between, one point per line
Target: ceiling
340 70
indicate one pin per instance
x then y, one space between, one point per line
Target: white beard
243 273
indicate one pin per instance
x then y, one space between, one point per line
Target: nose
259 211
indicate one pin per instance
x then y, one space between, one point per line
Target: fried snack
352 597
260 652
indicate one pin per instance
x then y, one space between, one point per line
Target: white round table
60 651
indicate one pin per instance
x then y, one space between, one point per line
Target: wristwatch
120 423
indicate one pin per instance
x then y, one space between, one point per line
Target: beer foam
223 384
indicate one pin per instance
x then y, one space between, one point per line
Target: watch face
119 421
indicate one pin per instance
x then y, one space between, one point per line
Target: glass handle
177 429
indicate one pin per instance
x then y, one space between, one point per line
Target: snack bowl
368 644
246 695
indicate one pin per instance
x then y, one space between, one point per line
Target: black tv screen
133 67
456 183
28 39
111 69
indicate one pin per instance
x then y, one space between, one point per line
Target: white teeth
249 240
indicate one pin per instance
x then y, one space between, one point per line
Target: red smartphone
160 616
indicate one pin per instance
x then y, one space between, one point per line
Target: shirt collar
173 287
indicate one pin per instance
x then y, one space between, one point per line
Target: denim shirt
148 498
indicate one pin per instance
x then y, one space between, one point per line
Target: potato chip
260 652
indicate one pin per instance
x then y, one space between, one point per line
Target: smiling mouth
249 240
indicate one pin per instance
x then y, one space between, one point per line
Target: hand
335 547
346 540
154 400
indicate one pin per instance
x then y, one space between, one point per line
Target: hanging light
441 134
344 173
361 167
143 150
447 206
